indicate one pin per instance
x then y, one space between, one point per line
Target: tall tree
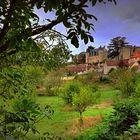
115 45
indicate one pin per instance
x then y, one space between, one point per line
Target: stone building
126 52
94 56
114 64
129 57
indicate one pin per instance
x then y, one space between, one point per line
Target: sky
122 19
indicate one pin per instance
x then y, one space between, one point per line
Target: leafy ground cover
64 122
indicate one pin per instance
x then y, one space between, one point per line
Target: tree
48 49
69 89
82 100
18 21
54 48
125 80
79 58
115 45
19 112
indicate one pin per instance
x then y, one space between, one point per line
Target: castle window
91 53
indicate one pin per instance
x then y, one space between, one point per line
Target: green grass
108 93
62 120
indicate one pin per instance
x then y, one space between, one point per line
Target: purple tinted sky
122 19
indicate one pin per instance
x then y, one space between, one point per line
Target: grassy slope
61 120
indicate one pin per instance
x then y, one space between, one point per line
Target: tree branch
43 28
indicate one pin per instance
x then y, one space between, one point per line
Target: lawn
63 120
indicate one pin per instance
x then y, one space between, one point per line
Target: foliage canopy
19 21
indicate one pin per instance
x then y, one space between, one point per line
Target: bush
88 78
124 80
104 80
125 116
69 89
137 89
132 134
91 79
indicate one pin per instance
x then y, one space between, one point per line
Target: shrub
69 89
115 126
53 82
126 114
124 80
104 80
88 78
133 133
91 79
137 89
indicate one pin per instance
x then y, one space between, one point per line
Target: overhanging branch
43 28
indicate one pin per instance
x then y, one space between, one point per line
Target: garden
90 106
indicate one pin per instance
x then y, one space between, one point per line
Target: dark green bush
132 134
126 114
104 80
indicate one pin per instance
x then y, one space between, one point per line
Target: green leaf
82 34
74 41
94 2
86 39
91 38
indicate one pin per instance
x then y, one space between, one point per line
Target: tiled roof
120 63
112 63
124 63
78 68
135 54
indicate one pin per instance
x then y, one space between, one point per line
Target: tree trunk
81 119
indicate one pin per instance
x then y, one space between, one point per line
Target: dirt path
88 122
104 104
76 128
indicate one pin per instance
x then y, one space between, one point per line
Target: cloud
122 19
129 10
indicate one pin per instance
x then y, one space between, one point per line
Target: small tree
70 88
82 100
